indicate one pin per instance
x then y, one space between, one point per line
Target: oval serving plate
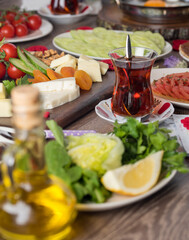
167 48
44 30
117 201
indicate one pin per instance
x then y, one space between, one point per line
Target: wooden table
162 216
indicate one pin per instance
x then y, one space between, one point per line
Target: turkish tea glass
132 94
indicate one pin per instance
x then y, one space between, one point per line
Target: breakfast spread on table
100 162
49 65
47 173
59 82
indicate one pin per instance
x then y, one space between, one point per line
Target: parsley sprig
141 140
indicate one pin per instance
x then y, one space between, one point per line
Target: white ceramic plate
64 18
162 72
167 49
45 29
185 58
103 110
117 201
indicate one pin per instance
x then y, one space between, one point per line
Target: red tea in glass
64 6
132 95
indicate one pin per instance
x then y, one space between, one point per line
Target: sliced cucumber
21 66
36 62
24 59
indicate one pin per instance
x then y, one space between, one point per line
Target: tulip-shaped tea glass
132 94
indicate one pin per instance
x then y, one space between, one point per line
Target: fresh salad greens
96 151
141 140
100 41
84 182
93 154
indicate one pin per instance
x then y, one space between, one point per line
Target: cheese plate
71 111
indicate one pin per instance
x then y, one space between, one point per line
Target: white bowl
64 18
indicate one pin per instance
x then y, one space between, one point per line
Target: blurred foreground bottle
64 7
33 205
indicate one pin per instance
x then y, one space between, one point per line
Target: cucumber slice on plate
36 62
21 66
24 59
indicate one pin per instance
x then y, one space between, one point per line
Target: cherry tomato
2 70
34 22
8 31
10 16
1 36
14 72
26 14
18 20
21 30
10 51
4 22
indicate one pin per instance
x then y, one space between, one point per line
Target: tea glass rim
129 60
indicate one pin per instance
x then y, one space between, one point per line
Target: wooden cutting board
70 112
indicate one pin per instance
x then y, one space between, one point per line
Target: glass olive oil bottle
33 205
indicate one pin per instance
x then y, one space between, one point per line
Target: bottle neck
31 143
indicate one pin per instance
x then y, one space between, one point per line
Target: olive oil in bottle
33 205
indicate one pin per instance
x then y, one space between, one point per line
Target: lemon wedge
134 179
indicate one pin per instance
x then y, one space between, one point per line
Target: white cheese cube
69 83
2 91
56 85
71 63
91 67
55 99
5 108
66 58
83 57
103 67
49 86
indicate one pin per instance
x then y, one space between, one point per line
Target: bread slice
184 49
